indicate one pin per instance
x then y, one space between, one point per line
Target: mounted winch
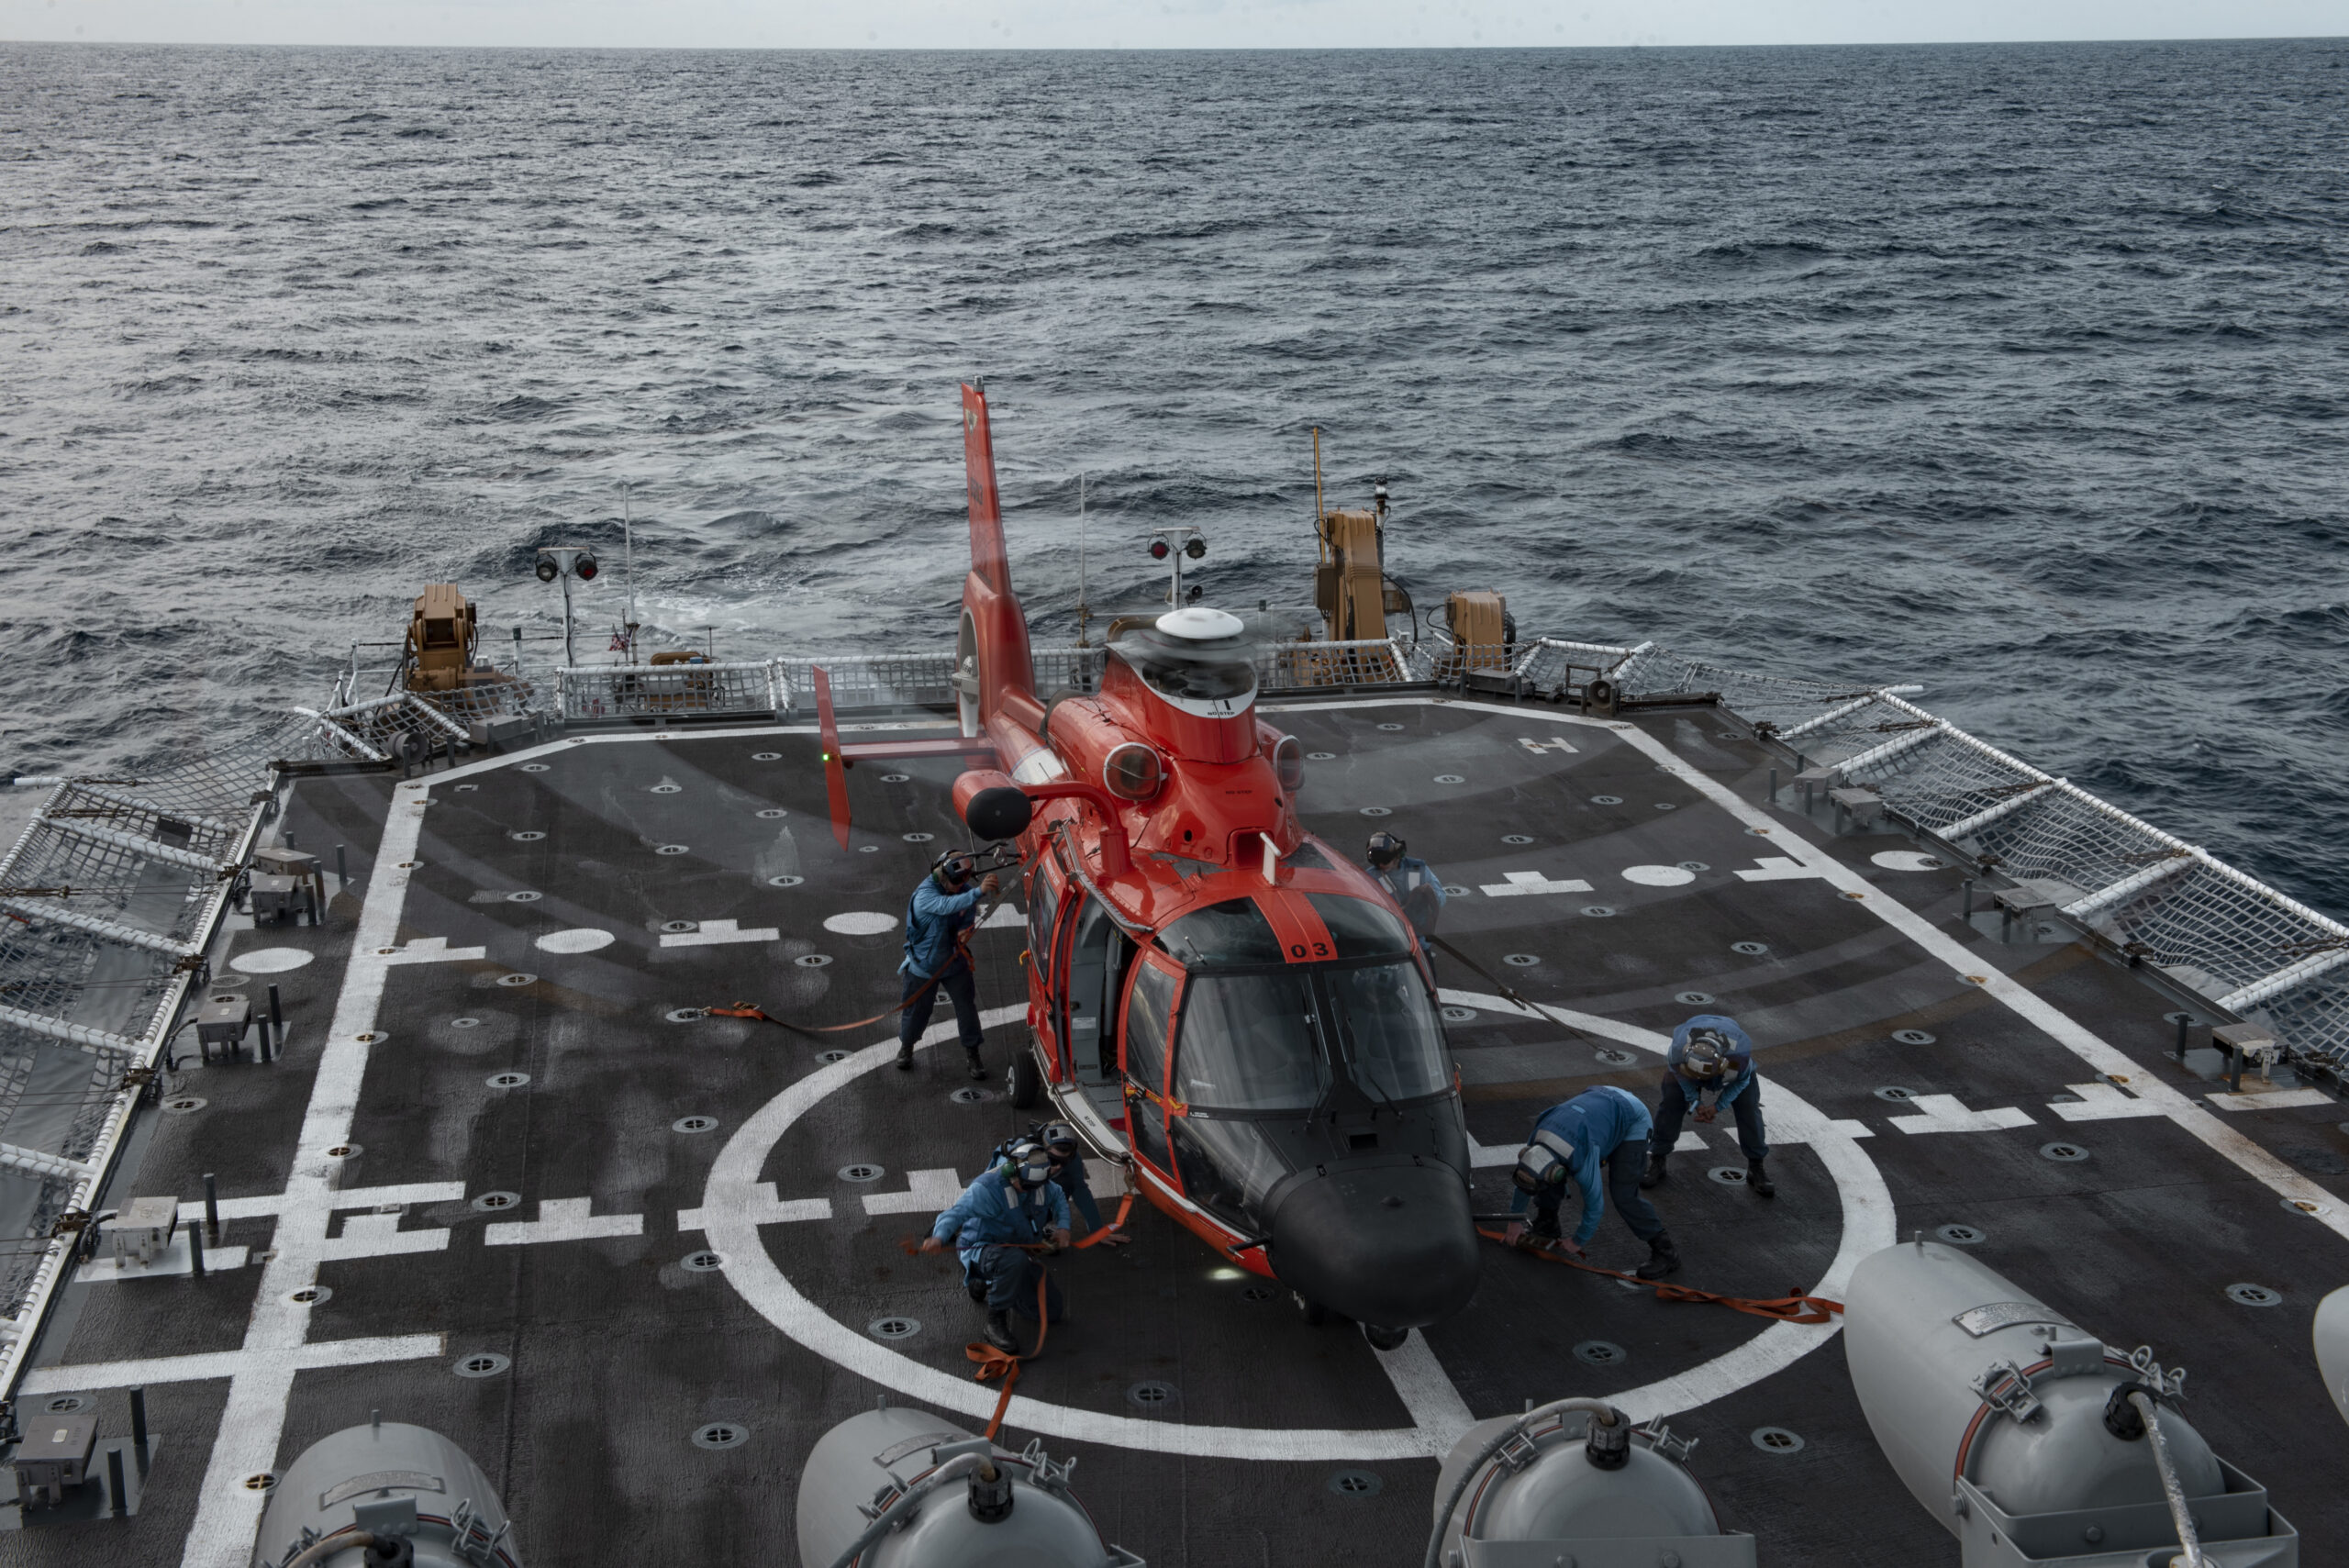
442 640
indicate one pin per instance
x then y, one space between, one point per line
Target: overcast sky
1152 24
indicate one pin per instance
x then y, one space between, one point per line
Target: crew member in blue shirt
1407 881
1605 1126
1011 1204
943 907
1712 1065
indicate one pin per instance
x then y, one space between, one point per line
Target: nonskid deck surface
546 912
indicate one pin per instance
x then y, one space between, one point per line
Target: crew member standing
1712 1065
1407 881
1013 1205
938 958
1605 1126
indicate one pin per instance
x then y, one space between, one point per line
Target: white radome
1196 623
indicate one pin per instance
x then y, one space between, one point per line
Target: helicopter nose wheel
1385 1338
1024 1082
1313 1312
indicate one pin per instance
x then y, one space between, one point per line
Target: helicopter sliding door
1150 1003
1044 914
1097 955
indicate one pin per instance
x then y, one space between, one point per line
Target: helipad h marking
1523 884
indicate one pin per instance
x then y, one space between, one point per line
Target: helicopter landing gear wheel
1313 1312
1385 1338
1026 1082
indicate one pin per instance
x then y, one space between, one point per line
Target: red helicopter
1215 997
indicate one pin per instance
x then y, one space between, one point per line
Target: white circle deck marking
861 923
1659 876
583 939
270 960
733 1200
1907 860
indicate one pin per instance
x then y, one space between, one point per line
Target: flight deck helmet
1544 1164
952 871
1027 1165
1059 1140
1386 849
1705 1056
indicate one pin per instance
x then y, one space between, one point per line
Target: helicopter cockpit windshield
1213 675
1260 1034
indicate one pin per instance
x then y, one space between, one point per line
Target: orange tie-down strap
753 1011
1782 1309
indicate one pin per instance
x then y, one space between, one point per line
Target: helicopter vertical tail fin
994 667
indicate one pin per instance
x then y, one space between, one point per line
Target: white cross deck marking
2102 1102
760 1207
2268 1099
1778 868
261 1206
1522 884
1005 918
1946 1113
173 1260
433 949
380 1236
1558 743
713 933
234 1364
931 1191
1689 1144
562 1219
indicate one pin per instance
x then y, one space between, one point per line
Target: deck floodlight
1196 549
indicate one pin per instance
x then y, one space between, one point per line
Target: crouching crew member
1407 881
943 907
1068 1174
1012 1205
1712 1065
1603 1126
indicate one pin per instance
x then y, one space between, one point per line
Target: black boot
1545 1226
904 1057
1759 1179
1661 1259
998 1333
977 1071
1654 1176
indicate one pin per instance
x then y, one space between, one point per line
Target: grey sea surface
2016 372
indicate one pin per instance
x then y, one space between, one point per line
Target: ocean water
2022 372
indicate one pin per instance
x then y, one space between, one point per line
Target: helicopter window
1189 675
1232 932
1390 1027
1248 1043
1042 907
1226 1166
1308 856
1153 994
1358 928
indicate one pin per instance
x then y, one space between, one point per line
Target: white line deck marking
562 1220
1947 1113
2268 1099
2102 1102
1689 1144
428 950
171 1259
1778 868
1426 1391
931 1191
714 933
1556 743
1523 884
380 1236
1003 918
759 1206
230 1364
261 1206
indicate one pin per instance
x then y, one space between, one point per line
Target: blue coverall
934 919
1607 1125
1418 889
990 1214
1739 1088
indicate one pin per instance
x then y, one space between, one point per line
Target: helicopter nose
1391 1245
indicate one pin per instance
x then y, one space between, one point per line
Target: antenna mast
628 545
1084 611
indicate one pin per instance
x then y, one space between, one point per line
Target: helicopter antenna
627 561
1084 612
1319 534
